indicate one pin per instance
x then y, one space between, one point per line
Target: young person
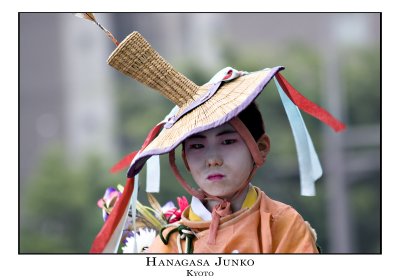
224 142
248 220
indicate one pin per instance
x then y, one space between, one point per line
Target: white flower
144 238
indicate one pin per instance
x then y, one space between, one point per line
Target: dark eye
228 141
196 146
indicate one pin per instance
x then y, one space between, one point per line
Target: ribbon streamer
106 239
309 164
133 207
308 106
153 174
127 159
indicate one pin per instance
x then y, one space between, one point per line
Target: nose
213 156
214 160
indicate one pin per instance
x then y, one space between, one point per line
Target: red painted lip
215 177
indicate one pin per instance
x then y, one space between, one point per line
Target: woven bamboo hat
200 107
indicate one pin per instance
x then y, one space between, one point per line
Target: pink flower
173 214
182 202
108 201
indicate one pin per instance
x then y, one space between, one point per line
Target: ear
263 145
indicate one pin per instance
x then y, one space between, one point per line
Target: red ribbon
103 237
127 159
308 106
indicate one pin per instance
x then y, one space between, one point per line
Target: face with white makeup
219 160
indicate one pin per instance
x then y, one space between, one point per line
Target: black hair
252 119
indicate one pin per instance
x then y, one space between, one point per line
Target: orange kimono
267 226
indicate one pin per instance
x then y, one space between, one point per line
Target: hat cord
197 193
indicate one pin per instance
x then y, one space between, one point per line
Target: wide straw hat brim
230 99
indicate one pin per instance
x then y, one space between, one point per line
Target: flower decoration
108 201
144 237
172 214
149 220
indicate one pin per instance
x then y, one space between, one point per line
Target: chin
221 194
215 193
218 189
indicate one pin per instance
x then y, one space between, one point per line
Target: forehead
223 129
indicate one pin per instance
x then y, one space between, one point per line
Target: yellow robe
268 226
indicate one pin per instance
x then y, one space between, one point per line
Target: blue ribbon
309 164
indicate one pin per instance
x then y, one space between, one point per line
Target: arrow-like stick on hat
90 16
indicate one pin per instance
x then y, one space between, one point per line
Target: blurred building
65 93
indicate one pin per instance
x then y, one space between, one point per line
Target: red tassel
103 237
308 106
152 134
127 159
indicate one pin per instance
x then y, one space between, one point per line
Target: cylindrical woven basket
137 59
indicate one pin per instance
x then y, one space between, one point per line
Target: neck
236 203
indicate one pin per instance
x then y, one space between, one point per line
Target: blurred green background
78 116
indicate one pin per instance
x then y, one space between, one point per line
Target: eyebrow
224 132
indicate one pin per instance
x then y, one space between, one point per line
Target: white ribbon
133 205
113 243
153 174
309 164
223 72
